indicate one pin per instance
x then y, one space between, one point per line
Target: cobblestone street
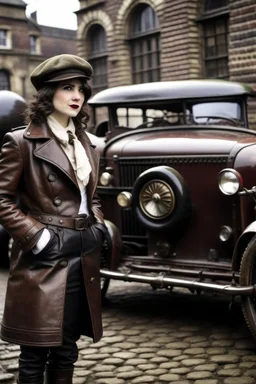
156 337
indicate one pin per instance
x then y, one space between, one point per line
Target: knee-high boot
59 376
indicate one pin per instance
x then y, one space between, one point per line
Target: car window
211 113
137 117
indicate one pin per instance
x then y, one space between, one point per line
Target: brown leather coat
36 175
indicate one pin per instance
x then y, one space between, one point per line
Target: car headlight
124 199
106 179
230 181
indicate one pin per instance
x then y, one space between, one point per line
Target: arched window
144 43
97 57
4 80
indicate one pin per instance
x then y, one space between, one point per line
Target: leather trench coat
36 175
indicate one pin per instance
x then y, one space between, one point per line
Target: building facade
24 44
133 41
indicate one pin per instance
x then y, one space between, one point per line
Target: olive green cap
60 67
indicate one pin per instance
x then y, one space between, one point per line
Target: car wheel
161 199
248 277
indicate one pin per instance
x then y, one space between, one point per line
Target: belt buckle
80 223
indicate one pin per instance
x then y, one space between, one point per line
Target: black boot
30 380
59 376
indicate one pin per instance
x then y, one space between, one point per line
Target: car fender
114 245
241 245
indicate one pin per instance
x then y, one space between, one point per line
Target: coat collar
50 150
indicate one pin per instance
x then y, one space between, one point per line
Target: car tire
248 277
176 182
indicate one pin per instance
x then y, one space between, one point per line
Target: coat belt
79 223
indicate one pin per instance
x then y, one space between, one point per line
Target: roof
60 33
166 90
18 3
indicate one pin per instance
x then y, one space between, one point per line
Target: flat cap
60 67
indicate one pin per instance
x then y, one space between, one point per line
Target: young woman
48 178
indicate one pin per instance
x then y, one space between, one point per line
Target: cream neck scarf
83 166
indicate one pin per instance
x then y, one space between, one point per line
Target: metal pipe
161 281
185 272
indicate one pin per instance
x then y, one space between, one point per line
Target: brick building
24 44
132 41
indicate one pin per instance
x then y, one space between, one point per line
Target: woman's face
68 100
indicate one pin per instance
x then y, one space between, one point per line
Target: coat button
92 279
52 177
57 201
63 263
27 238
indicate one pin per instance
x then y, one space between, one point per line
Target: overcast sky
54 13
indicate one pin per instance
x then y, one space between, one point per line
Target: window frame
36 45
7 78
144 49
213 16
8 41
98 59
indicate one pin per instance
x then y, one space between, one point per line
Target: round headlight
124 199
229 181
157 199
106 179
225 233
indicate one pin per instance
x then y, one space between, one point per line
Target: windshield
169 114
216 111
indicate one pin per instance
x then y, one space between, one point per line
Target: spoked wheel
248 277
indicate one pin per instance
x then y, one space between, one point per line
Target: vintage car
178 187
12 107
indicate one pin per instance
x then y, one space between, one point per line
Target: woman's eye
66 87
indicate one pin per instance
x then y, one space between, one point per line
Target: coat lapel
49 150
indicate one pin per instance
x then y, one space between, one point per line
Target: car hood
180 141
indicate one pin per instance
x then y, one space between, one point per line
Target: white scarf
83 166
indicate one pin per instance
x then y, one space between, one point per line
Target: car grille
130 169
188 166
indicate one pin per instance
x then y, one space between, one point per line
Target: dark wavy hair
42 106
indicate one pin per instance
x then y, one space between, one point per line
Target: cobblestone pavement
157 337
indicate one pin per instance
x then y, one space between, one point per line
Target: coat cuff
29 239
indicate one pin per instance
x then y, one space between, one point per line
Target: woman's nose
76 95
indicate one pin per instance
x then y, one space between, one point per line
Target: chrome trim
161 281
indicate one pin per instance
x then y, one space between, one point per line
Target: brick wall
181 39
242 47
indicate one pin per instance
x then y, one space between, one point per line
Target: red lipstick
74 106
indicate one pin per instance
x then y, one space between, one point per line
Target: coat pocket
50 245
